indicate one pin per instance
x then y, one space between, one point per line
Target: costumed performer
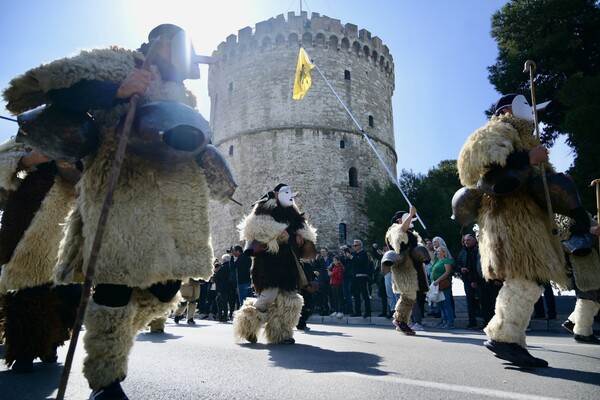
516 243
37 316
190 291
585 278
157 231
408 274
277 235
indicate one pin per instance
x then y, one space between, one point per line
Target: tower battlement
316 31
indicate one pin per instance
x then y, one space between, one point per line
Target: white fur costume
157 228
516 244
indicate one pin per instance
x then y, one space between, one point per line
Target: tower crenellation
319 30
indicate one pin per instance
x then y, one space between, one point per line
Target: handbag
312 287
444 284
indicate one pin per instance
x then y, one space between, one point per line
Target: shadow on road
316 359
564 373
47 379
156 337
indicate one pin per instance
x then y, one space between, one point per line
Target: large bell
390 257
59 133
420 254
564 195
504 181
465 204
220 180
167 132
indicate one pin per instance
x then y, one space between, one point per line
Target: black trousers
110 295
360 288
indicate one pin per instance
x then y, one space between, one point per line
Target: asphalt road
341 361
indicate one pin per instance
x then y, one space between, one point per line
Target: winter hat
503 102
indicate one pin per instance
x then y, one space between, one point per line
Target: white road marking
449 386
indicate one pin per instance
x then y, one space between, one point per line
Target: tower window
342 144
230 87
231 150
342 233
371 121
347 75
353 177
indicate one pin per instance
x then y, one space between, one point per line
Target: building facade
311 144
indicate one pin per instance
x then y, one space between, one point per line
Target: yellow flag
303 78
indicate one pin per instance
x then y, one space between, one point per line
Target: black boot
110 392
569 325
515 354
591 339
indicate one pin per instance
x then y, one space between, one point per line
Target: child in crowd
336 275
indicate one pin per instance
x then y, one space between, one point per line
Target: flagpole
367 138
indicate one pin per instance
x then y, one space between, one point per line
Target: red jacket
337 274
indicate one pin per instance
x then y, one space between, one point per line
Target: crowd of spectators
343 283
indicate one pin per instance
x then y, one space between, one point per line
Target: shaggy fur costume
267 224
247 321
515 244
157 228
583 316
110 334
514 306
586 281
283 316
36 318
279 320
516 240
404 274
158 324
585 269
32 220
190 292
277 267
108 340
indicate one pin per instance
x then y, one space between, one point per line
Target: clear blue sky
441 52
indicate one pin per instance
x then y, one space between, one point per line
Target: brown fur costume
157 228
275 268
36 317
515 244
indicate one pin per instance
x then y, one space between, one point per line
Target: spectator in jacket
361 267
336 276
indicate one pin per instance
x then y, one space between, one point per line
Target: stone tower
311 144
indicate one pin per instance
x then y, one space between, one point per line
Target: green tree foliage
431 194
563 39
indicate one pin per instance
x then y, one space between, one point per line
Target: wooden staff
91 269
596 182
530 67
